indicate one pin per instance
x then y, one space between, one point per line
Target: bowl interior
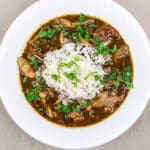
49 133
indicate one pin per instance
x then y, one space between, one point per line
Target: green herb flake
116 84
76 108
47 34
63 108
50 33
86 103
68 65
75 37
102 81
88 37
109 63
40 109
61 29
96 77
42 34
32 94
88 75
71 76
37 42
42 85
34 62
77 58
55 77
112 76
81 30
38 78
91 25
102 49
82 18
25 79
114 50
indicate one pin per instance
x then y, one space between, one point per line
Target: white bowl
73 138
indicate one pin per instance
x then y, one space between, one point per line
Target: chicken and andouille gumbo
76 70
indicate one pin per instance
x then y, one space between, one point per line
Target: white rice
88 63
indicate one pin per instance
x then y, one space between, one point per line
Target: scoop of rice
85 66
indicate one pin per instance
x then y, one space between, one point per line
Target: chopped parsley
76 108
96 77
38 78
86 103
75 37
34 62
32 94
94 74
55 77
73 108
102 49
63 108
40 109
82 18
71 76
68 65
61 29
124 77
47 34
102 81
91 25
25 79
77 58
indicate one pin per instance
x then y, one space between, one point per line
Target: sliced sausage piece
63 22
76 116
25 67
105 100
106 33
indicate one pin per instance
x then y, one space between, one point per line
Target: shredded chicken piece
34 39
51 92
121 53
25 67
107 43
61 38
108 69
39 58
63 22
58 101
49 112
85 41
76 116
74 24
43 96
105 100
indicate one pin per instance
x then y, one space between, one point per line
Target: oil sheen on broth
76 70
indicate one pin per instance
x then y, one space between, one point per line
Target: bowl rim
142 108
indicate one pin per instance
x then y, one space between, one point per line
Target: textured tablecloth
13 138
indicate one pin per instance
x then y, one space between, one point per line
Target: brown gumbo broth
94 33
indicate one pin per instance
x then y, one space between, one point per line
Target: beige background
13 138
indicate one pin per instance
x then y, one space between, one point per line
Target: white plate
49 133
